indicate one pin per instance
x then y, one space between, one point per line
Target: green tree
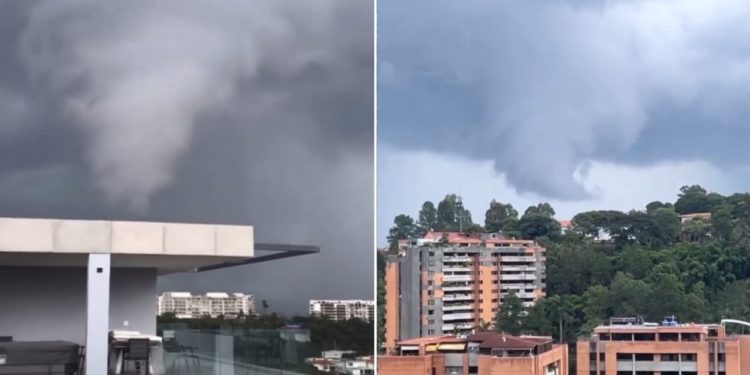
627 295
537 319
544 209
595 307
427 217
655 205
694 199
403 228
497 216
532 226
562 310
451 214
722 222
509 317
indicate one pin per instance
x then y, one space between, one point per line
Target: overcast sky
235 112
587 104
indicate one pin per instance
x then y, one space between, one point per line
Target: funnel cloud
543 88
235 112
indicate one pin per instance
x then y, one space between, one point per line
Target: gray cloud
235 112
542 87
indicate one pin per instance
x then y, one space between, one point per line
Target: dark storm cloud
542 87
235 112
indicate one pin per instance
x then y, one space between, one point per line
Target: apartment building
450 283
343 309
188 305
630 346
483 353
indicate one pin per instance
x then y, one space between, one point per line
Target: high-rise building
188 305
343 309
451 283
631 346
481 353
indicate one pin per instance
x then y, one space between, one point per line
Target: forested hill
648 262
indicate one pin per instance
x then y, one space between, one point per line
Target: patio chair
138 350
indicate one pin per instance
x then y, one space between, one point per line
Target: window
431 302
689 357
644 357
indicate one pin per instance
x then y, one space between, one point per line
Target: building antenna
461 213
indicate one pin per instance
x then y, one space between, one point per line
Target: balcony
457 269
516 277
519 268
466 306
461 288
456 259
518 259
449 278
237 350
100 276
458 297
457 316
521 295
450 328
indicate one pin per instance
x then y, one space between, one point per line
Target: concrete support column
97 314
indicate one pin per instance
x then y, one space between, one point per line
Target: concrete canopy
168 247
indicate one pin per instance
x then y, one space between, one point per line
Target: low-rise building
631 346
703 216
482 353
188 305
342 362
343 309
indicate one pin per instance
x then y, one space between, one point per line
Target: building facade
188 305
484 353
663 349
343 309
450 283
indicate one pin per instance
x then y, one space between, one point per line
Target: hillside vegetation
611 263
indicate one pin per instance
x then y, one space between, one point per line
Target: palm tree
265 307
483 326
562 311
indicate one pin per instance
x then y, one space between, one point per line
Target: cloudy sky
233 112
587 104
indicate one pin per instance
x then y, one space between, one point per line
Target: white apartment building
343 309
188 305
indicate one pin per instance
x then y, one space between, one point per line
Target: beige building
343 309
188 305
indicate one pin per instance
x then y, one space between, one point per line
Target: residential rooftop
463 239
